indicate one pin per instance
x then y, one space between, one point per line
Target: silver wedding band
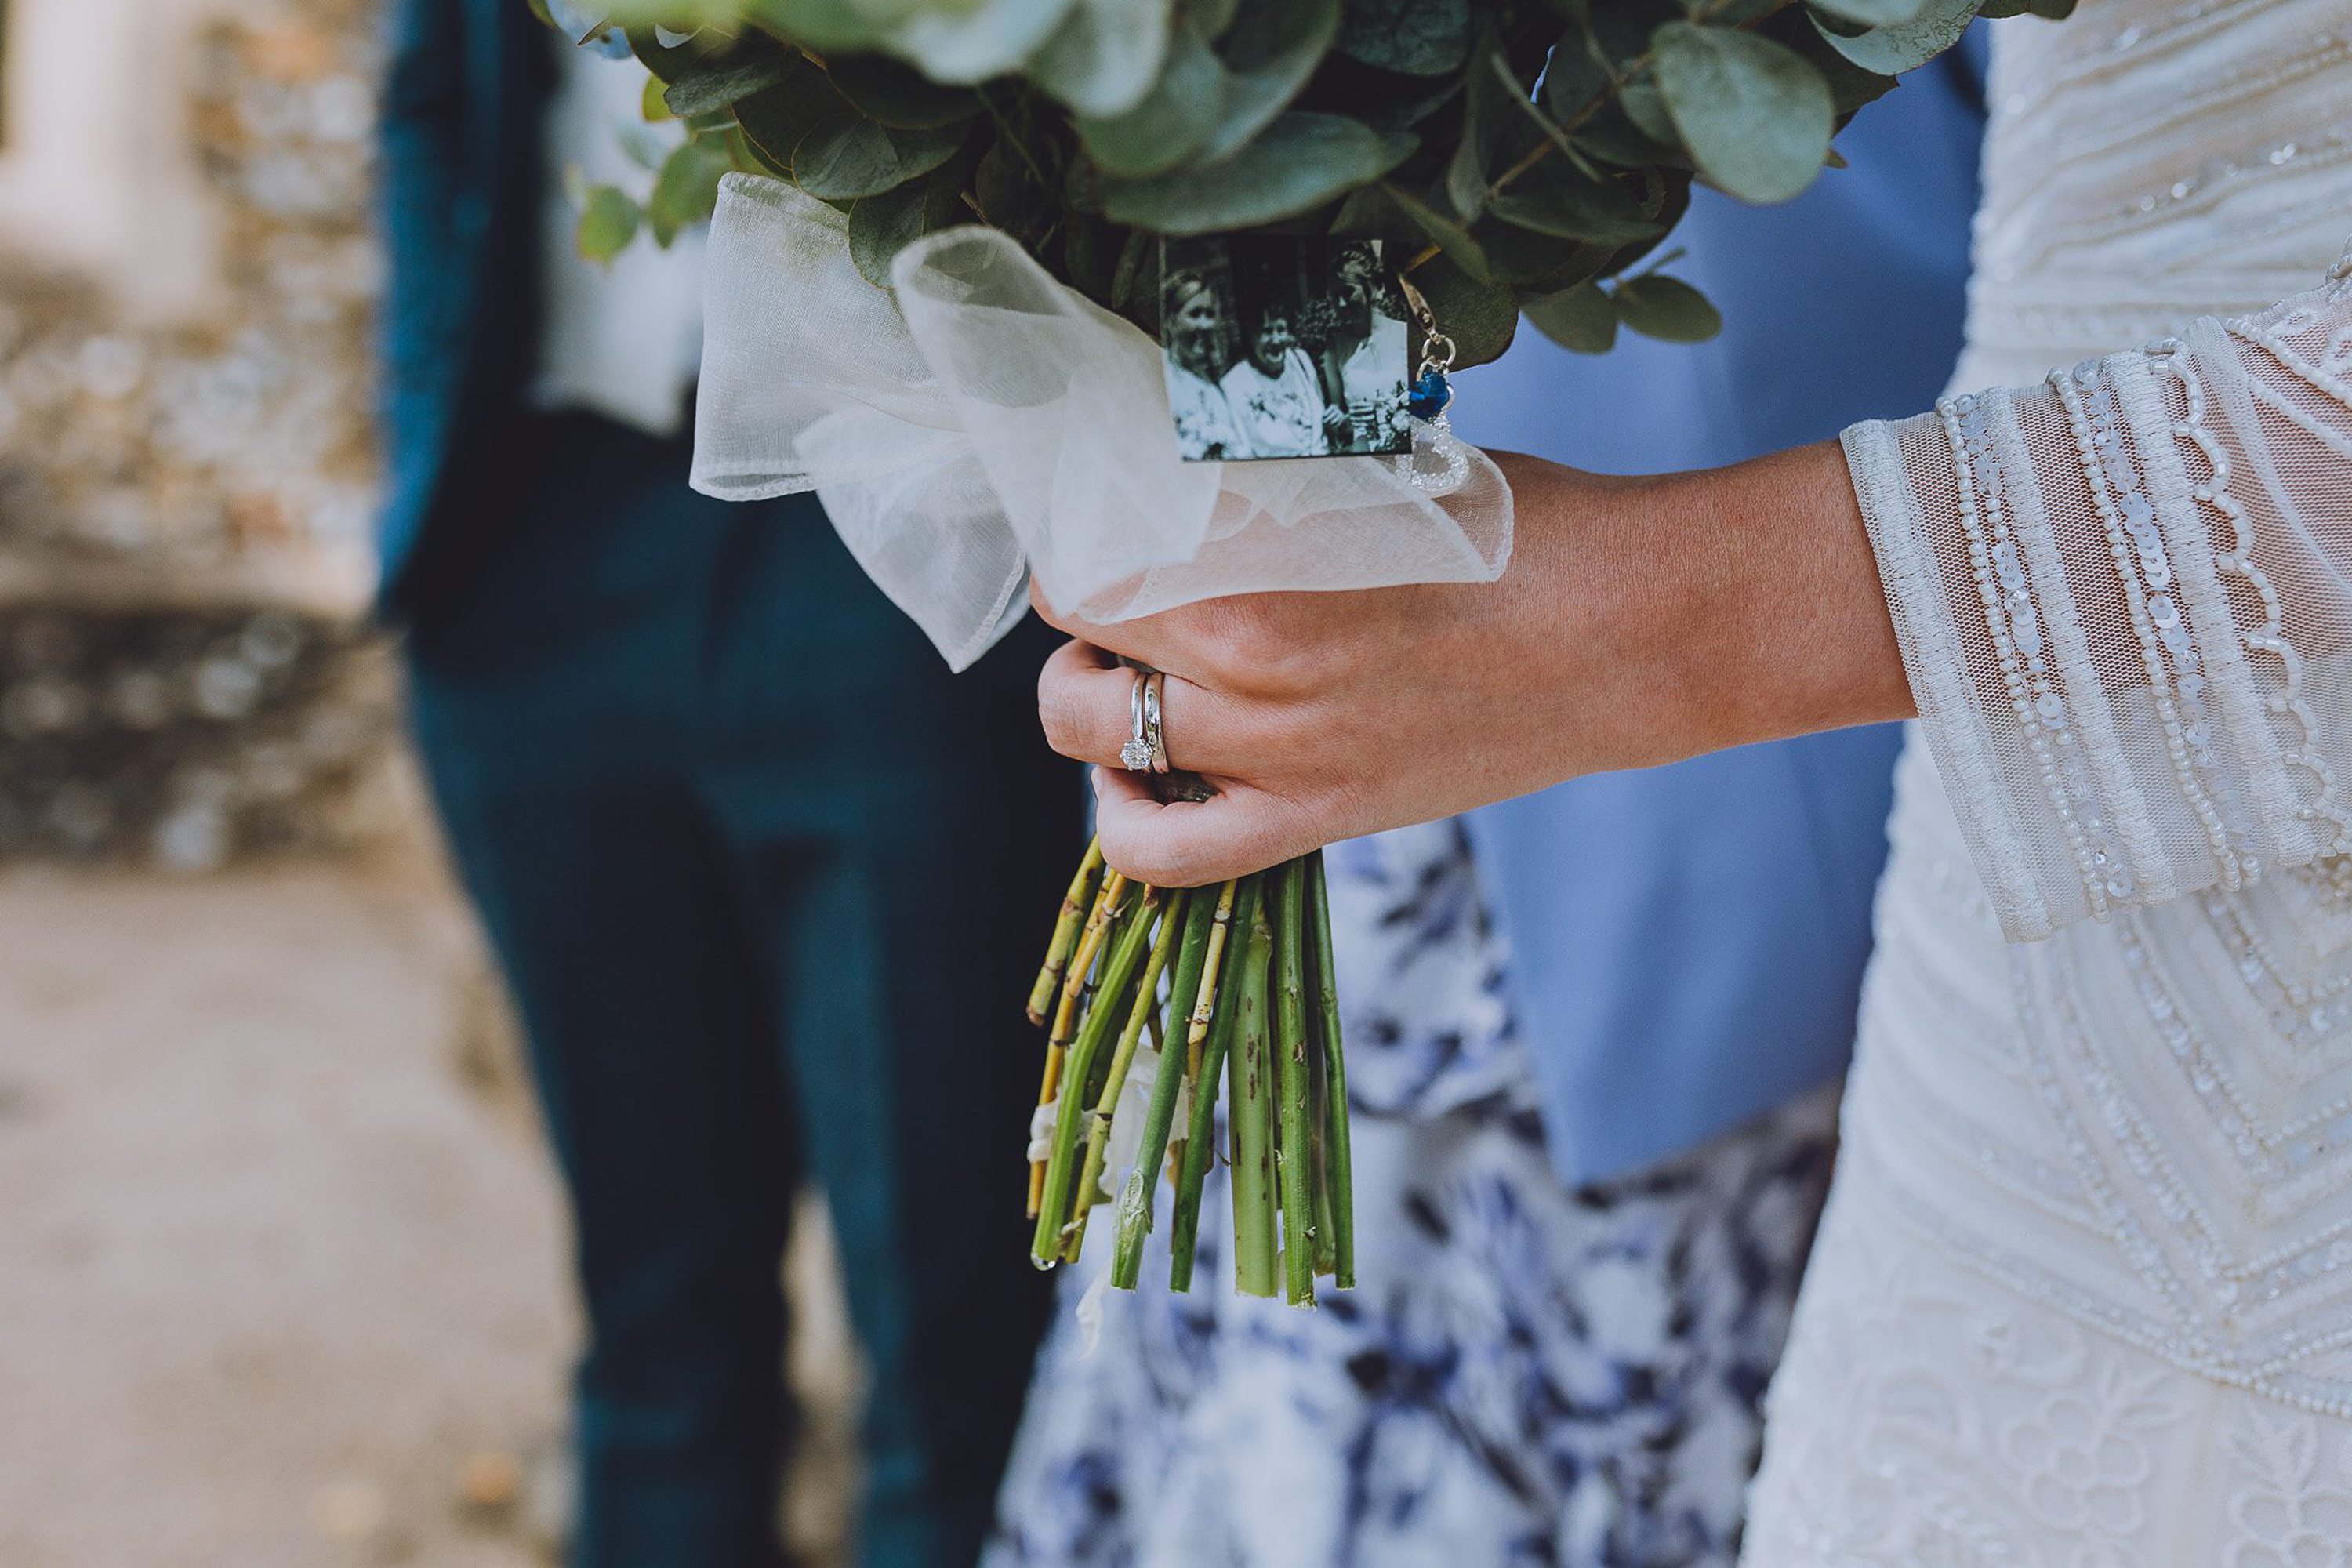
1146 751
1155 733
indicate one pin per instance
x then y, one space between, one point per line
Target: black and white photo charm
1281 347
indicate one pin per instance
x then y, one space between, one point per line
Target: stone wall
185 465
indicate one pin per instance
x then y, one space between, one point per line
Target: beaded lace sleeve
2124 602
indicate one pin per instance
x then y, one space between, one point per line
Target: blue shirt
1687 941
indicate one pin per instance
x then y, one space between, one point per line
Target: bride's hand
1640 621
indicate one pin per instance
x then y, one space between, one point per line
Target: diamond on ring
1136 754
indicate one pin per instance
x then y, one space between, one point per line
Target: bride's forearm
1764 574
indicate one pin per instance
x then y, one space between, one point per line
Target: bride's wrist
1802 640
1725 606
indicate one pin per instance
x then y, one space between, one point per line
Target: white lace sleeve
2125 601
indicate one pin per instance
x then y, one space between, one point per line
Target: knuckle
1269 644
1249 642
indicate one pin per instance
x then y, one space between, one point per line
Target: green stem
1075 984
1205 1003
1295 1152
1201 1127
1326 1255
1146 1007
1196 1023
1338 1162
1074 906
1249 1103
1204 918
1075 989
1134 930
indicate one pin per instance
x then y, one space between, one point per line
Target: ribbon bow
981 423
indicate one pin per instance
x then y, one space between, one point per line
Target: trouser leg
651 1048
907 883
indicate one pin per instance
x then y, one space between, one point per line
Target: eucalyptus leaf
830 26
882 225
1643 105
1372 214
897 95
1673 194
1581 319
1869 13
723 81
1484 121
1851 87
844 156
1413 37
775 120
1174 121
667 62
1010 196
1622 29
686 188
1504 150
1572 78
1560 203
1105 56
1906 45
969 43
1481 318
1529 122
608 221
1528 262
1212 17
1299 162
1666 307
1268 55
1453 238
1754 116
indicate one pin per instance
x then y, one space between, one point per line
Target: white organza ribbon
987 423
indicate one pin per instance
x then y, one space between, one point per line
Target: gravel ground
281 1263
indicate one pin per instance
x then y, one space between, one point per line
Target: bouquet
983 194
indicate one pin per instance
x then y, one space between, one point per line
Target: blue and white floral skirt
1526 1373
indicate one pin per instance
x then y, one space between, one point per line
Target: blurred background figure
745 847
282 1260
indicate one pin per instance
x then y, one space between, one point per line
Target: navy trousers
769 886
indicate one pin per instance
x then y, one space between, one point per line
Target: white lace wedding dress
2083 1294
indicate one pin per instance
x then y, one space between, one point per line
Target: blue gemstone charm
1430 394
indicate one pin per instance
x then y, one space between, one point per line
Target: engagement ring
1137 754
